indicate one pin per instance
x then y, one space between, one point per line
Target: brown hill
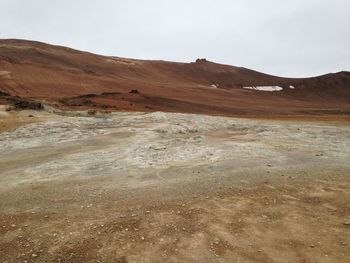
75 79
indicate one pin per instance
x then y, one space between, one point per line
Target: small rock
347 223
134 91
34 255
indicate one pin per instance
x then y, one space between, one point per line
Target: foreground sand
162 187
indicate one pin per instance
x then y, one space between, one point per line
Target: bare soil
166 187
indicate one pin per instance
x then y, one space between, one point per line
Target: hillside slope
69 78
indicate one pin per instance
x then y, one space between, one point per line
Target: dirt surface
166 187
10 120
72 79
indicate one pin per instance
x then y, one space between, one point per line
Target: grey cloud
290 37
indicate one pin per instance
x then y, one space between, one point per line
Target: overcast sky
281 37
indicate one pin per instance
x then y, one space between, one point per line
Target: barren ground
166 187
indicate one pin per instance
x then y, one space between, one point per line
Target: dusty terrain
169 187
100 163
72 79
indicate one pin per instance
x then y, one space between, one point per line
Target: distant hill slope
76 79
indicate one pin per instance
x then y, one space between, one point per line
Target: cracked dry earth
165 187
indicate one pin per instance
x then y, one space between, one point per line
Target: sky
292 38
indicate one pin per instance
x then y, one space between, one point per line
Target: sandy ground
165 187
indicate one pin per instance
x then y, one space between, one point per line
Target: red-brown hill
75 79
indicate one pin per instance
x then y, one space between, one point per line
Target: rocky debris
21 104
201 60
134 91
18 103
87 96
2 93
92 112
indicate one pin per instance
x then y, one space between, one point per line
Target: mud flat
167 187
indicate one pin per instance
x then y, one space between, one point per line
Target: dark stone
134 91
199 60
20 104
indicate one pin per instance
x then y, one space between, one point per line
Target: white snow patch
291 87
5 74
264 88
